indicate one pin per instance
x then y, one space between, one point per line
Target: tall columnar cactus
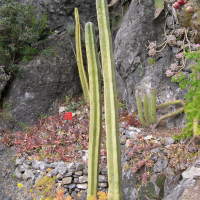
151 109
79 57
95 110
110 99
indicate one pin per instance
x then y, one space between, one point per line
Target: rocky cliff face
134 73
45 81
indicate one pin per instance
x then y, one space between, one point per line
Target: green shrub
71 29
19 31
48 52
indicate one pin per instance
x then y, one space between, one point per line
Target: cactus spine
95 110
79 58
110 99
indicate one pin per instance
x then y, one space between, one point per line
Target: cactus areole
110 104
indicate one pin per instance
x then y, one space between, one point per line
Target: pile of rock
73 176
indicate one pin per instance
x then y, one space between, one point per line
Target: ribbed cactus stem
153 105
95 110
110 104
170 103
150 116
180 110
140 113
82 74
195 121
146 114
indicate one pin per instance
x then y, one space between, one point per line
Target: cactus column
95 110
79 58
110 99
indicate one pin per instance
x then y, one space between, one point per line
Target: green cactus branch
95 130
150 109
82 74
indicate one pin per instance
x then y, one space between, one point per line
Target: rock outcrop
134 73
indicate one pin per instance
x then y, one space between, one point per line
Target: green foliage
48 52
4 112
151 61
19 30
192 84
43 116
71 29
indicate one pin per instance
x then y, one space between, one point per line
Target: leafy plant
151 61
48 52
19 30
192 105
71 29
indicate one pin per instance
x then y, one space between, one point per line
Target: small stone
104 172
160 165
68 174
80 166
168 141
82 186
134 129
79 173
76 180
19 161
102 178
54 172
21 168
18 174
190 172
62 168
71 186
148 137
59 176
103 185
67 180
197 163
28 174
36 164
62 109
53 165
72 167
133 134
44 166
83 179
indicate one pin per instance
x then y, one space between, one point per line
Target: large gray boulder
134 74
44 82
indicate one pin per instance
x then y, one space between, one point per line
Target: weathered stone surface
160 165
28 174
62 168
67 180
178 191
83 179
134 74
190 172
168 141
82 186
129 182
